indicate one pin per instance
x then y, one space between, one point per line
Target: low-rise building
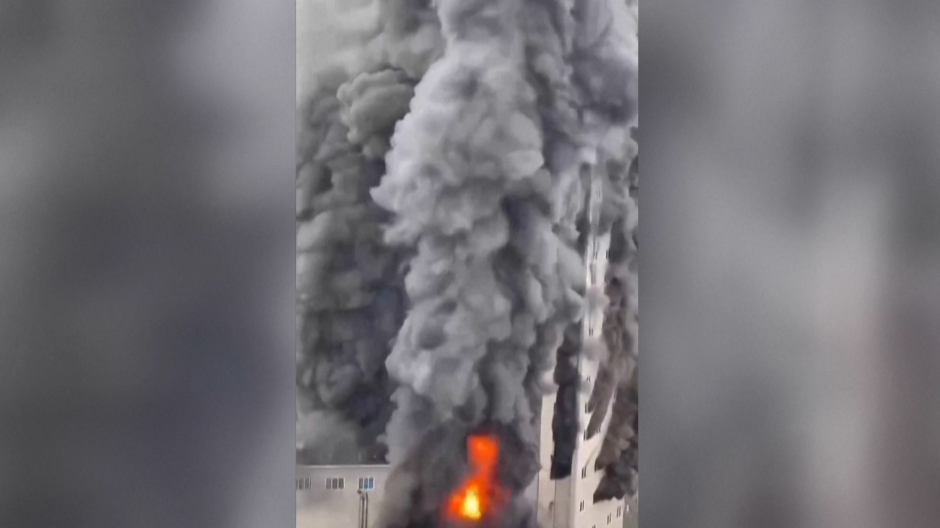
339 496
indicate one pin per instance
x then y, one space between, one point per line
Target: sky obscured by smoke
443 175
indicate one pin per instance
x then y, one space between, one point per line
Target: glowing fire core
473 499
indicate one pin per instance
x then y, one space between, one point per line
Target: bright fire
477 494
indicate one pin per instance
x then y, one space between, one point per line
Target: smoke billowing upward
442 198
350 295
619 375
496 276
350 283
423 480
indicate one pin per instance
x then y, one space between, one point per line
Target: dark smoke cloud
618 376
603 67
565 421
492 284
423 480
471 130
350 284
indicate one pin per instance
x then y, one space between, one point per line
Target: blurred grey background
146 263
791 268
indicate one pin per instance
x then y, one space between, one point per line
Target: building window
582 506
366 483
584 472
300 484
591 330
307 483
608 518
335 483
619 509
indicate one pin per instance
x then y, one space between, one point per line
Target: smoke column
442 190
468 184
618 376
350 284
486 180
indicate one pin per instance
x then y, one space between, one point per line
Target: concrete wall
632 518
319 507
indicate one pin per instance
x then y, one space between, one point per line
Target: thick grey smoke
349 299
499 109
618 375
350 283
496 275
603 63
327 439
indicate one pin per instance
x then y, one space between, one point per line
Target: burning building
352 495
458 186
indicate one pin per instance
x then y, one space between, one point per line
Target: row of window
338 483
609 516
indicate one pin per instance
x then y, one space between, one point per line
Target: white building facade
339 496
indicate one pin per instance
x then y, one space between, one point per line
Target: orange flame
476 496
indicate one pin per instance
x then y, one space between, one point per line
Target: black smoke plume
442 189
618 377
351 300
